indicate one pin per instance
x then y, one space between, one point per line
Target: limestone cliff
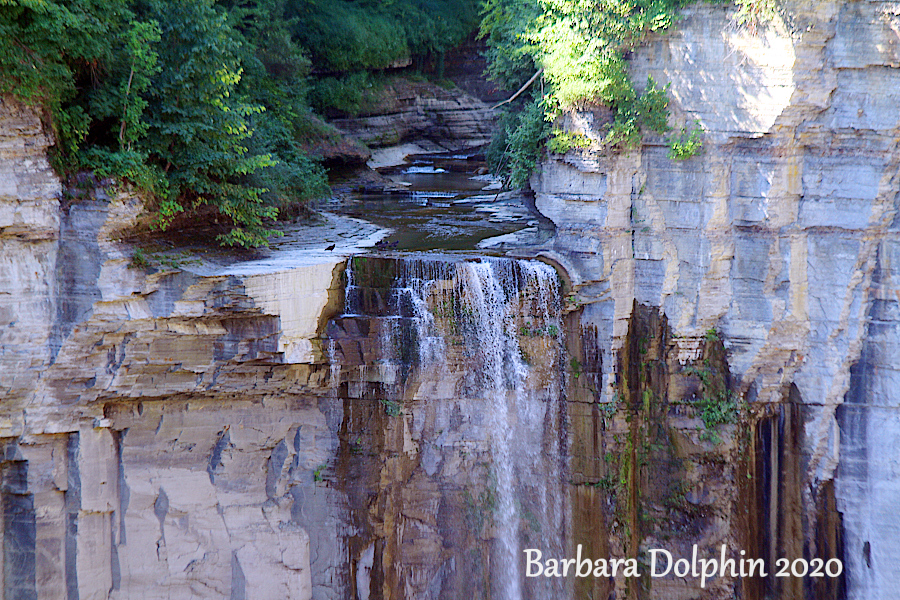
782 235
160 430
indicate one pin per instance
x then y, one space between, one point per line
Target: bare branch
521 89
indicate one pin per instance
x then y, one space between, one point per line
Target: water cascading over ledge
452 454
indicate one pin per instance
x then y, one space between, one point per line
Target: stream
440 202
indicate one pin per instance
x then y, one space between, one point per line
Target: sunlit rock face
782 234
29 227
161 429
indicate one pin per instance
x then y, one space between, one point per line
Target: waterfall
484 333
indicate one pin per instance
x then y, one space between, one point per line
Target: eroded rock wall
782 235
411 111
162 430
450 374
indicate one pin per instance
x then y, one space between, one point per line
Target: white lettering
754 563
533 561
668 555
709 569
631 568
682 562
601 568
551 568
725 562
582 562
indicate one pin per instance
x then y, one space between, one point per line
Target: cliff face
29 226
421 110
782 235
160 430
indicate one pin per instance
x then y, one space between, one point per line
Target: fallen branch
521 89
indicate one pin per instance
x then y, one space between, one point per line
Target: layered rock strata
451 118
782 235
160 429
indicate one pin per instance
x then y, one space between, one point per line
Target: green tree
275 72
45 45
197 127
510 53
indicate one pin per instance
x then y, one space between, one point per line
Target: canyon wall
200 429
161 429
411 110
781 236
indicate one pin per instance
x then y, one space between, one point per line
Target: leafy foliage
580 44
753 13
47 47
343 36
198 128
562 141
511 54
686 143
274 77
717 404
204 103
515 148
180 119
348 35
650 111
347 94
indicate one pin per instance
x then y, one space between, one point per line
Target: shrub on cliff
580 46
514 150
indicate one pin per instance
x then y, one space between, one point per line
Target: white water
493 300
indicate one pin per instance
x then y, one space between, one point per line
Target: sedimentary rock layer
451 118
782 235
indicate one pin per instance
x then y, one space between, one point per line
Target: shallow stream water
442 203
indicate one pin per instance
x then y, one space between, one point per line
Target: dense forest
208 103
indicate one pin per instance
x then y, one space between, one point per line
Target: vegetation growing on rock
581 47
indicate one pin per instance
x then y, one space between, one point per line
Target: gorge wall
782 236
415 110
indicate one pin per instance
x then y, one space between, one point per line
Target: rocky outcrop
412 111
165 441
29 228
780 235
161 429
